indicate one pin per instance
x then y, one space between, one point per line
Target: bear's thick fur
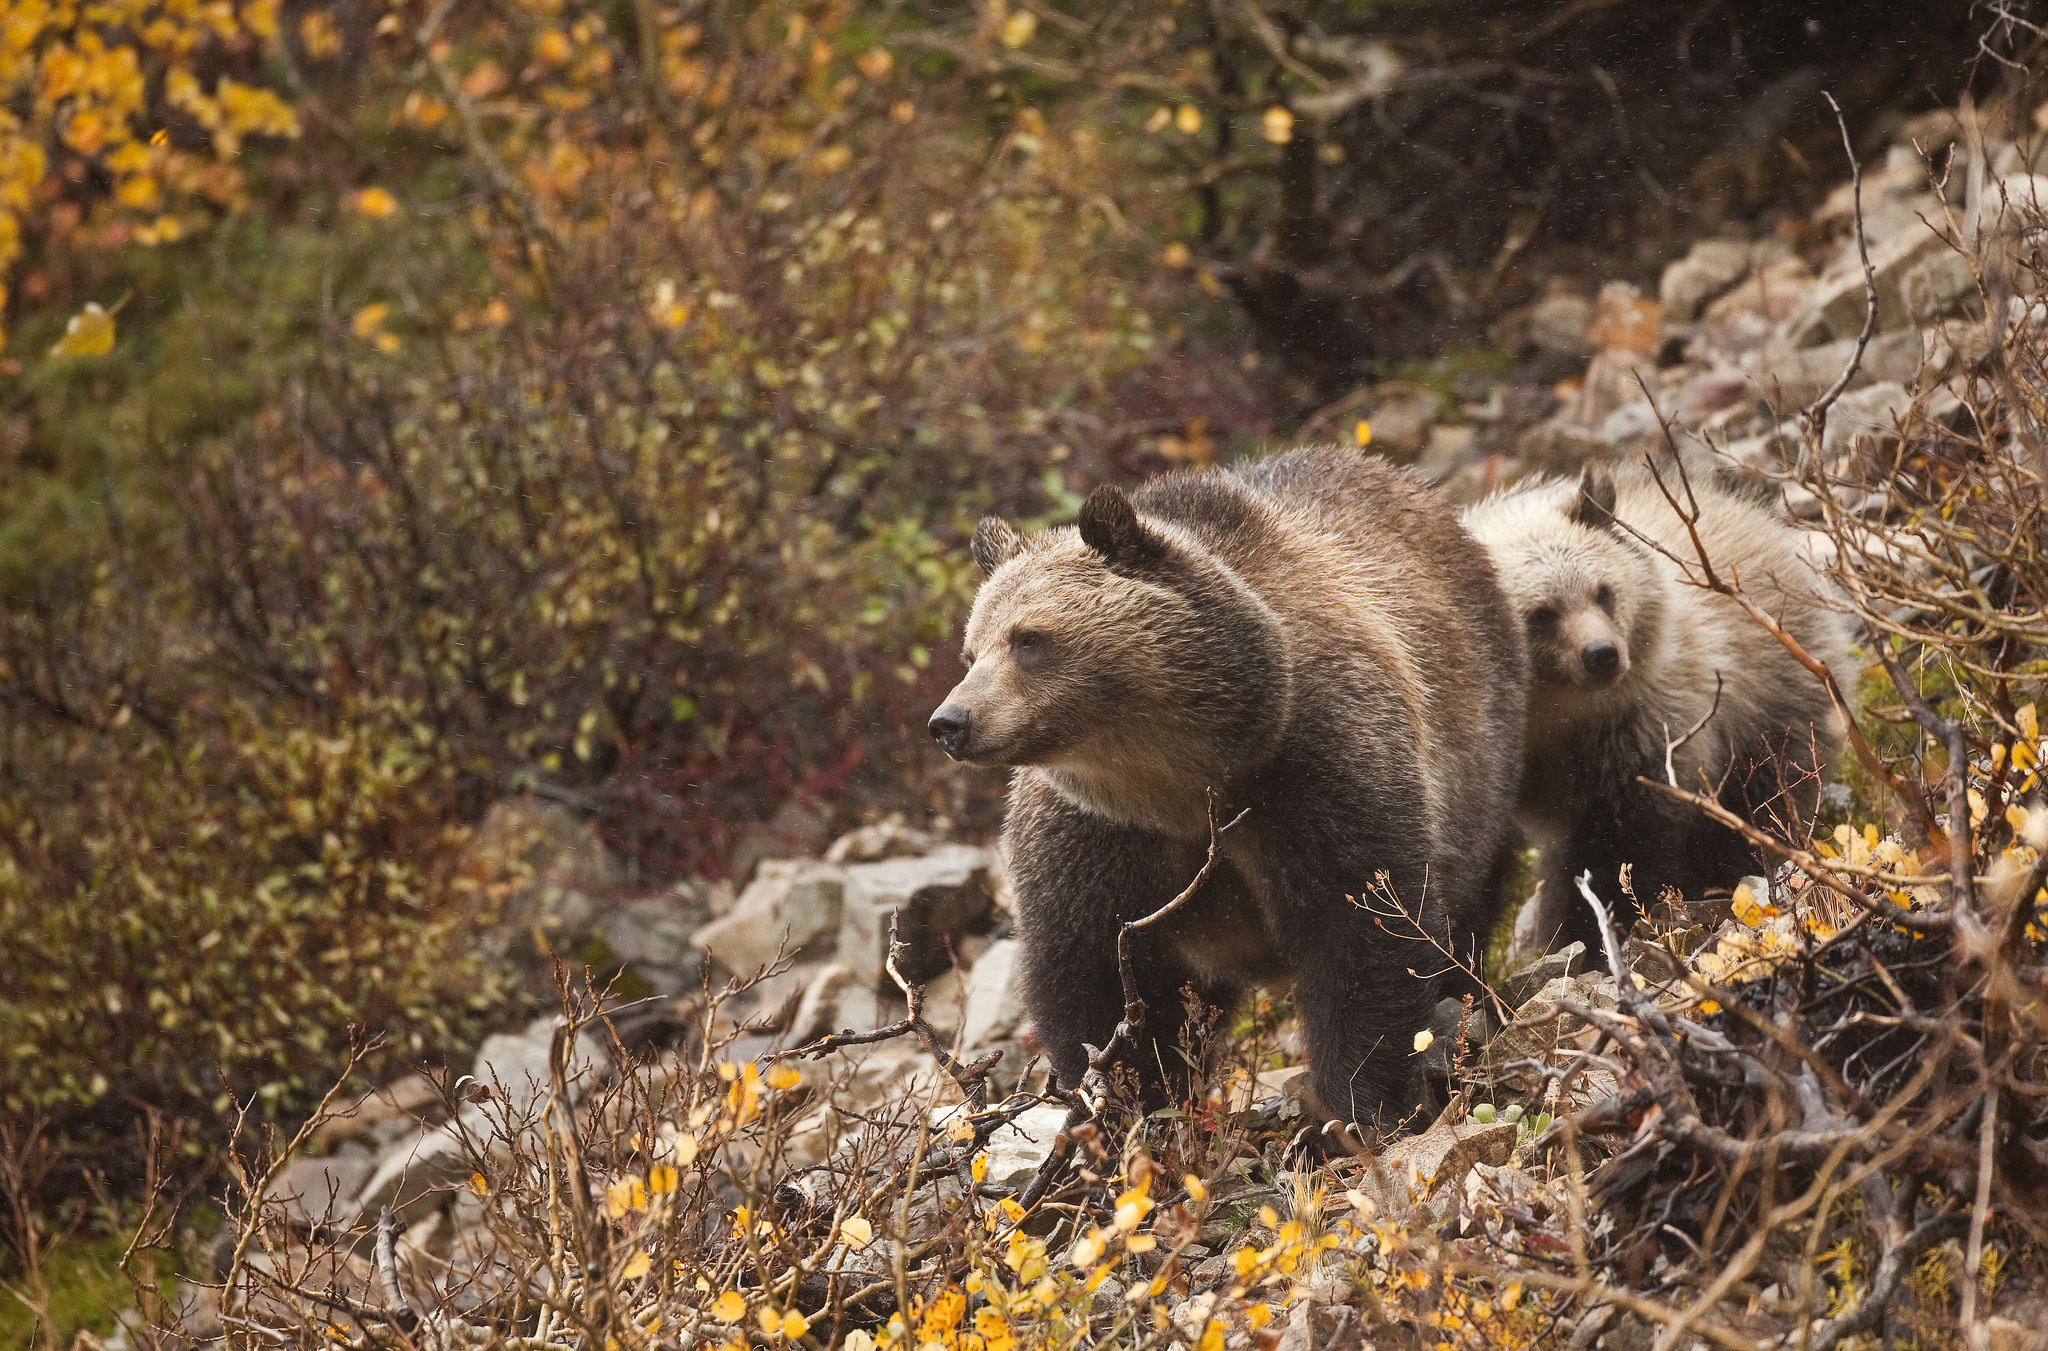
1314 638
1624 655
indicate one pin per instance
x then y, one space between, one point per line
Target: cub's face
1059 650
1576 620
1581 589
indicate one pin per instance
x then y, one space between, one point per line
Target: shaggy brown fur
1625 655
1314 638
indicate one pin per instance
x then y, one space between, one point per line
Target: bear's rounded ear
1110 526
995 543
1594 506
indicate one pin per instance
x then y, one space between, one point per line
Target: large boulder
935 900
553 874
1712 267
1919 276
651 936
792 908
995 996
314 1192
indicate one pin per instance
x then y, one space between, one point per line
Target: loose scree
1313 638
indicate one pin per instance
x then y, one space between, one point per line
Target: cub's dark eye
1543 618
1604 598
1026 640
967 657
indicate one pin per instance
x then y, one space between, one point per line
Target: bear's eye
1026 640
1604 598
1543 618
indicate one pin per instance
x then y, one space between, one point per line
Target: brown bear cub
1624 656
1314 638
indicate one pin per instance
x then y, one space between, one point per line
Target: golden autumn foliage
139 94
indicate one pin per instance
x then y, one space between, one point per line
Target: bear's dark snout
1602 659
949 727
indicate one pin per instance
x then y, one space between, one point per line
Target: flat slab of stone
937 898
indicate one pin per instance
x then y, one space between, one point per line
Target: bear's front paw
1329 1140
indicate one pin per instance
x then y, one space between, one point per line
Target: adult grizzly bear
1314 638
1626 655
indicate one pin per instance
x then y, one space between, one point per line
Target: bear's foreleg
1078 880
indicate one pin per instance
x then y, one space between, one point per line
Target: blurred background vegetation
405 404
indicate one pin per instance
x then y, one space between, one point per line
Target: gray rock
321 1191
883 840
799 828
792 908
1918 277
652 936
1518 987
1712 267
1559 322
935 898
995 996
1401 425
945 1002
554 872
1016 1150
517 1064
417 1177
820 1012
1865 419
413 1097
1632 429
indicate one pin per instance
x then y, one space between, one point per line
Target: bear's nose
949 728
1602 659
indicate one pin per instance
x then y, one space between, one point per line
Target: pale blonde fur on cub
1626 655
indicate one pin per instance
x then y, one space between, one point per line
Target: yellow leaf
994 1330
369 319
1174 255
636 1266
1160 117
1195 1190
943 1316
794 1325
1363 432
375 203
1423 1039
90 333
729 1307
770 1321
856 1232
1258 1315
979 1169
1709 1007
784 1076
387 343
875 62
1011 1211
1277 125
1246 1261
2029 722
478 1185
661 1179
1212 1337
1018 28
1141 1243
961 1131
1187 119
1510 1297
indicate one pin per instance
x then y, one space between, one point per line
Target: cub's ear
995 543
1111 527
1594 506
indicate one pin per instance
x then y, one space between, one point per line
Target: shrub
624 445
